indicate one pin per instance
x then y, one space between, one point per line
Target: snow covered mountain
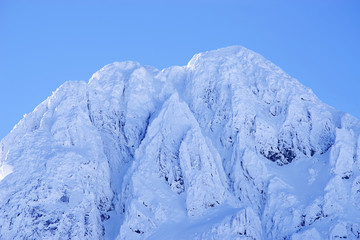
227 147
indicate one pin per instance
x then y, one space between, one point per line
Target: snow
227 147
5 170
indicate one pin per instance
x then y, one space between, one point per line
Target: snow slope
227 147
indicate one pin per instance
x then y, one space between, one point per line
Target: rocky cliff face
227 147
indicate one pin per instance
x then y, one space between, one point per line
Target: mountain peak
228 146
233 55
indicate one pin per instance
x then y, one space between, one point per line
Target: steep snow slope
227 147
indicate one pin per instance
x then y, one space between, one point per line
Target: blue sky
45 43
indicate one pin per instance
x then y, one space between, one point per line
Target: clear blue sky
44 43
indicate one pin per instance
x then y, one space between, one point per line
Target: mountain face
227 147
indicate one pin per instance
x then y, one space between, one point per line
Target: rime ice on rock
227 147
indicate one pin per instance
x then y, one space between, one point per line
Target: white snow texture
227 147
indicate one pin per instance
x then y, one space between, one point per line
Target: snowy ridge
227 147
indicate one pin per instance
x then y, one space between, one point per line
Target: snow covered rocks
227 147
